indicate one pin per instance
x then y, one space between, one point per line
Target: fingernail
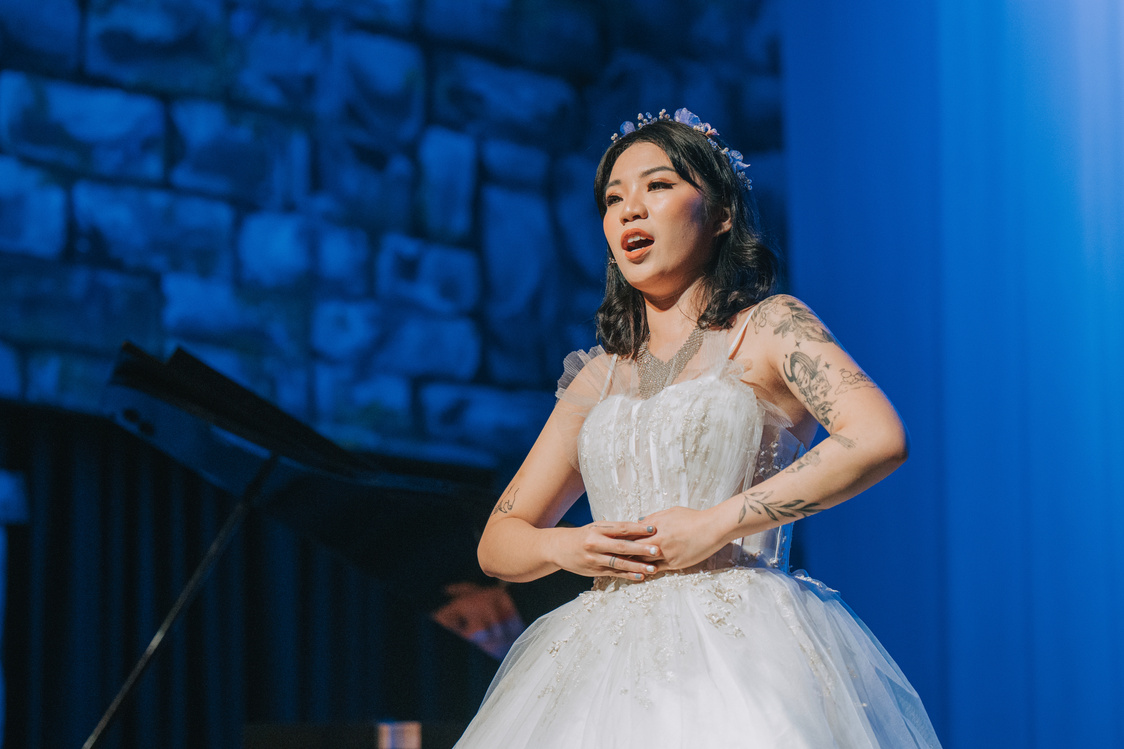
641 519
651 529
653 550
650 568
637 576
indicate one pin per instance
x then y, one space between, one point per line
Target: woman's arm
867 439
520 542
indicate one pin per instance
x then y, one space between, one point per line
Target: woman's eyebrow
645 173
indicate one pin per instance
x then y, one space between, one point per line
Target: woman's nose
633 208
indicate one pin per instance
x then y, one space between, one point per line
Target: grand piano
375 514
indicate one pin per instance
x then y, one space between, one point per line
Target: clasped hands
669 539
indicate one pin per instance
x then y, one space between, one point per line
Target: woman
688 433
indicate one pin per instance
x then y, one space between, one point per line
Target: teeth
635 238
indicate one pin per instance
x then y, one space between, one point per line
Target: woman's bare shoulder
784 317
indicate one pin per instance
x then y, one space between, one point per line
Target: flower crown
689 118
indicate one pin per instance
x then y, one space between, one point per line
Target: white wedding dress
736 652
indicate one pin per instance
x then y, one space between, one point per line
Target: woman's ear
723 221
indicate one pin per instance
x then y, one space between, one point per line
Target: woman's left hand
683 536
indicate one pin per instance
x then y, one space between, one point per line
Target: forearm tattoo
810 378
847 442
785 315
759 503
809 459
506 503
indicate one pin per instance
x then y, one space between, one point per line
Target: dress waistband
730 556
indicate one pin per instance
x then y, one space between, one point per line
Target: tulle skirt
740 657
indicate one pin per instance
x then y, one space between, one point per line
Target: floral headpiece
689 118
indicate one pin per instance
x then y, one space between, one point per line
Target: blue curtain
957 216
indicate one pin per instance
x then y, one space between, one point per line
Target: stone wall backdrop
375 213
378 215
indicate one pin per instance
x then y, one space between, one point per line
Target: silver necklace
654 374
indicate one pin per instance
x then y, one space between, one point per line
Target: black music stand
372 517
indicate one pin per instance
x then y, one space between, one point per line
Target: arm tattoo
847 442
506 505
760 504
786 315
809 459
810 378
853 380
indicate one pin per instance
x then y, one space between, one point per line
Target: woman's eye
611 199
658 185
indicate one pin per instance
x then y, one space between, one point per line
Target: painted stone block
489 24
653 26
101 131
274 249
426 345
708 95
433 277
154 229
396 15
515 355
32 210
343 330
714 28
448 184
520 271
504 422
374 89
48 304
40 36
575 214
347 394
632 78
238 155
513 164
179 46
251 320
343 258
519 250
563 36
486 99
280 60
362 186
67 379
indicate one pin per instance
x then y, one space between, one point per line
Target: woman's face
656 224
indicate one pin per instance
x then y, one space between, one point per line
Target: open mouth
636 243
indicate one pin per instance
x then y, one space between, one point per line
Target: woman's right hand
606 549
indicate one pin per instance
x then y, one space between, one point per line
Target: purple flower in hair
687 117
690 119
736 161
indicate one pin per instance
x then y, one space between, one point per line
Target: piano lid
411 525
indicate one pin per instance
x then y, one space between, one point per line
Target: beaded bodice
694 444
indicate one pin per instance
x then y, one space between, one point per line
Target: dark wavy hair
744 268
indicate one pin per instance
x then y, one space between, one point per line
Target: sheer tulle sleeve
588 377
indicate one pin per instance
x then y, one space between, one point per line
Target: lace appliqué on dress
631 612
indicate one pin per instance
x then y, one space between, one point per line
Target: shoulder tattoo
785 315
